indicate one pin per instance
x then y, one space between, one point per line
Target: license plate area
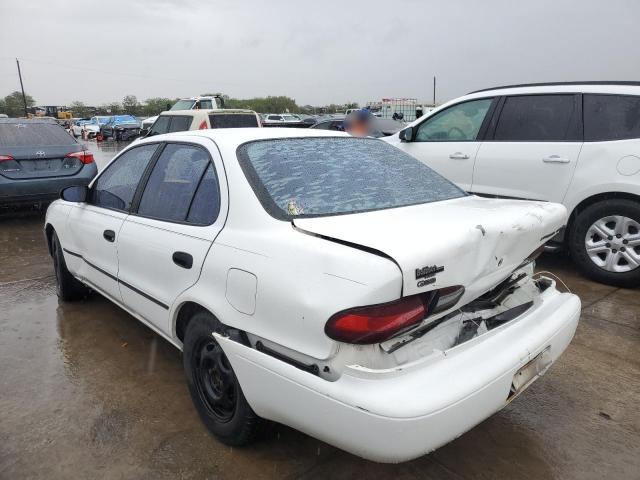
528 373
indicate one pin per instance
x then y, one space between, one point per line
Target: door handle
109 235
183 259
459 156
555 159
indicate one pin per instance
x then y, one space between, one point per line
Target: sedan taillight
5 158
84 156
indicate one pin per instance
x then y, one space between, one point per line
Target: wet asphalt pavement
86 391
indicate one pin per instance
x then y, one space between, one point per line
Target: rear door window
116 186
176 176
29 134
538 118
611 117
233 120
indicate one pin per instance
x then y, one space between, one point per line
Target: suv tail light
5 157
85 156
378 323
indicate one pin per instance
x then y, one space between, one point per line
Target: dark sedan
38 158
121 127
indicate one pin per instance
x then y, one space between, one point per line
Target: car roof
232 137
28 120
206 111
612 87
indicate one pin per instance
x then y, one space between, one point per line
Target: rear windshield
233 120
307 177
33 134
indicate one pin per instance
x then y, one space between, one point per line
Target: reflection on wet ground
87 391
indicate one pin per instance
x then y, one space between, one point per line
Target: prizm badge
425 272
428 273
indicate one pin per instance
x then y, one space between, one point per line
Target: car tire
604 242
213 385
68 288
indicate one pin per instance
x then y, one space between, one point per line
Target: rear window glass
306 177
235 120
611 117
33 134
180 124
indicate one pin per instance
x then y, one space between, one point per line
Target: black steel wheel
213 385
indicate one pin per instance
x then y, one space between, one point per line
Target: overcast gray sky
314 51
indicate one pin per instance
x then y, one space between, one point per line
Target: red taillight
203 125
85 156
377 323
5 157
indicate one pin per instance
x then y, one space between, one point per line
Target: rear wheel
68 287
604 241
213 385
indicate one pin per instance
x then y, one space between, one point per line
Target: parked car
382 126
121 127
192 103
330 123
38 158
182 120
92 128
331 283
283 120
573 143
76 126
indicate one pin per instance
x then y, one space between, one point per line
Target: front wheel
604 241
213 385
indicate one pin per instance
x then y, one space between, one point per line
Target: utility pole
434 90
24 98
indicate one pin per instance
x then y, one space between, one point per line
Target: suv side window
161 125
117 184
611 117
180 123
537 118
170 193
458 123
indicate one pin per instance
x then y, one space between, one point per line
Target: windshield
183 105
29 134
125 119
102 120
302 177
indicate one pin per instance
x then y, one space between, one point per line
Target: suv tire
213 385
601 238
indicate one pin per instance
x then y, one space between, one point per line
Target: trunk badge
426 272
40 154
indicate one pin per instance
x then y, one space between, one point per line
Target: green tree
153 106
270 104
79 109
130 105
113 108
13 105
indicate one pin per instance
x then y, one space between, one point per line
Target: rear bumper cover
42 189
400 414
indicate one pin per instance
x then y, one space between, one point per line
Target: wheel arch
48 234
185 312
592 200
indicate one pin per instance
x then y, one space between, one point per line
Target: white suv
571 143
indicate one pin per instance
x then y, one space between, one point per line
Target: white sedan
330 283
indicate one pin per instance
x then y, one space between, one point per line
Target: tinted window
458 123
204 104
537 118
27 134
611 117
323 125
173 182
206 202
117 184
161 125
180 124
274 117
233 120
326 176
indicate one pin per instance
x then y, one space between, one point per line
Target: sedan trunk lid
470 241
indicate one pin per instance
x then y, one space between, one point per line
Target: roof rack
551 84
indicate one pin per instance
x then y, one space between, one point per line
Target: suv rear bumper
26 191
399 414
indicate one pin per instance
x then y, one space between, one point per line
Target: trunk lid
470 241
41 162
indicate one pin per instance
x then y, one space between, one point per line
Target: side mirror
406 135
76 194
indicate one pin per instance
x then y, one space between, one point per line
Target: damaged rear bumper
398 414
